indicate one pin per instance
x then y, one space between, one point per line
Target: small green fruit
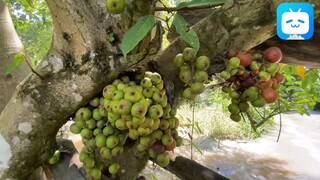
187 93
185 76
264 76
96 114
139 110
167 140
202 63
178 60
75 129
95 102
163 159
116 6
101 141
155 78
234 62
235 117
197 88
244 107
201 76
83 114
233 109
113 168
86 133
225 75
146 82
117 151
107 130
155 111
105 153
188 54
112 141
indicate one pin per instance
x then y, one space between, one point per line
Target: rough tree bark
10 44
81 62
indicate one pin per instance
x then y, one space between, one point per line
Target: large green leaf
190 36
17 60
137 33
197 3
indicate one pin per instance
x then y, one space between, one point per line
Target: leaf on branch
17 60
197 147
197 3
137 33
190 36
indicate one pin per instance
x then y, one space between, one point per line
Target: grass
212 118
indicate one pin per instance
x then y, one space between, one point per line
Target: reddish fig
245 58
273 54
270 95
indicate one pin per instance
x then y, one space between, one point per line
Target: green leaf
197 128
17 60
197 147
137 33
197 3
190 36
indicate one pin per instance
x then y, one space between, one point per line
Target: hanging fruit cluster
192 72
135 111
252 78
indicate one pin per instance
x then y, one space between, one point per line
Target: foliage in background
33 23
212 118
301 89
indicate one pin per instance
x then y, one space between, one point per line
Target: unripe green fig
53 160
178 60
202 63
96 114
155 111
83 156
226 89
95 102
152 153
106 153
197 88
133 134
200 76
108 130
187 93
179 141
122 138
264 76
86 133
114 168
121 124
118 94
233 108
188 54
89 163
225 75
163 159
254 65
97 131
108 91
112 141
185 76
234 62
156 78
186 67
95 173
157 97
164 124
260 102
83 114
235 117
139 110
116 6
91 124
100 141
75 129
124 107
146 82
116 151
234 95
244 107
147 92
167 140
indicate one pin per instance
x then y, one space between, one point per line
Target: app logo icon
295 21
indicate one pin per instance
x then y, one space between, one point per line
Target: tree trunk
10 44
81 62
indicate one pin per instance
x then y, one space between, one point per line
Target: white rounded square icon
295 22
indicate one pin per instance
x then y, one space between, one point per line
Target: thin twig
26 57
252 122
280 122
258 112
171 9
267 118
192 128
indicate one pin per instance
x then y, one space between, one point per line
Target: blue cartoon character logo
295 21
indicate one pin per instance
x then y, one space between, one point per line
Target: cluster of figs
192 72
133 112
252 78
